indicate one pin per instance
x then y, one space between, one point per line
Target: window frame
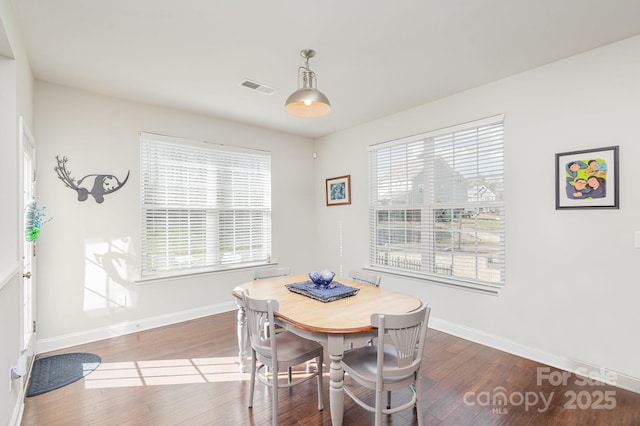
424 231
217 168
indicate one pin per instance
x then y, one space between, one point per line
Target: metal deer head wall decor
96 185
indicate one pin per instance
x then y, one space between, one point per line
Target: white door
29 247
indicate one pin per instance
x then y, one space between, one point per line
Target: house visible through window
204 206
437 206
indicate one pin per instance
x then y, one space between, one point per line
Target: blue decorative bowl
322 279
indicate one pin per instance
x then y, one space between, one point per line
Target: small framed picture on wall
339 190
587 179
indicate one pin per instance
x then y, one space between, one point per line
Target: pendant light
307 101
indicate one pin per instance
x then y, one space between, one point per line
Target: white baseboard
18 410
64 341
578 367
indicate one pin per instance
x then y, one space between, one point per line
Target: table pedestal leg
336 379
242 337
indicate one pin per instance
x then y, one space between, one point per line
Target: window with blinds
437 205
204 206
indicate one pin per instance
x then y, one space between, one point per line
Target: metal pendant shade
307 101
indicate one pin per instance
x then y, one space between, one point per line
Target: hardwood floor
187 374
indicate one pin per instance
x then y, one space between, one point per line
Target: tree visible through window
437 207
204 206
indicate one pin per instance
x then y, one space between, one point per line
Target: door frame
27 146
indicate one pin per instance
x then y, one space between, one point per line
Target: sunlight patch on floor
165 372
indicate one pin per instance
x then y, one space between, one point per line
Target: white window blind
437 206
204 206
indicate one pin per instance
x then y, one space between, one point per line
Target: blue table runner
335 292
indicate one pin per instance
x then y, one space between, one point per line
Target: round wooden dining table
336 323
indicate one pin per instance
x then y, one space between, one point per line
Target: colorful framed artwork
339 190
587 179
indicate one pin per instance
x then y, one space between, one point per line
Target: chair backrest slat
406 333
260 312
365 277
271 272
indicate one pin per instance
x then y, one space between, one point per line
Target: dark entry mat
56 371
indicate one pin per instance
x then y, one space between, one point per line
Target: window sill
488 289
179 275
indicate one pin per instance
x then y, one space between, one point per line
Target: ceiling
374 58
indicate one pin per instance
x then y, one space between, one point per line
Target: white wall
572 289
570 295
16 99
88 253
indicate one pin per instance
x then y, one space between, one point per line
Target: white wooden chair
277 351
365 277
368 278
279 271
391 364
276 271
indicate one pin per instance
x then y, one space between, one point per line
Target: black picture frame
587 179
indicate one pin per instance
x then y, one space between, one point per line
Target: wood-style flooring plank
187 374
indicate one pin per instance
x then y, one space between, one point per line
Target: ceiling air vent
258 87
